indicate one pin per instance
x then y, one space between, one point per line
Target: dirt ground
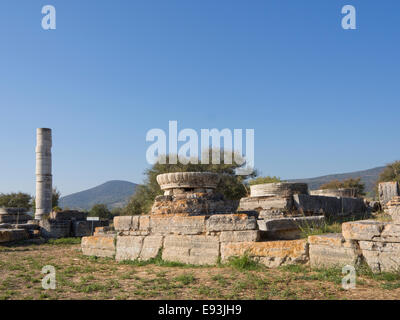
81 277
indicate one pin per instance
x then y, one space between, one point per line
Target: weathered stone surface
128 247
290 223
51 228
388 190
271 253
266 204
393 209
196 249
177 224
240 236
68 215
193 204
99 245
151 247
14 215
342 192
231 222
332 250
363 230
188 180
8 235
328 206
44 178
283 189
381 256
126 223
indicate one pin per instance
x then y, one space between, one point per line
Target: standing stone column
44 179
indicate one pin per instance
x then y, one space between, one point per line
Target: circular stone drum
187 180
284 189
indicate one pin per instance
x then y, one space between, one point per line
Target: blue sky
321 99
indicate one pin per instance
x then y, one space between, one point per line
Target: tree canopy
390 173
266 179
348 183
101 211
16 200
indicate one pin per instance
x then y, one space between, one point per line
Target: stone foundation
200 240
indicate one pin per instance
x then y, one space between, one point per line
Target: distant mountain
369 177
114 194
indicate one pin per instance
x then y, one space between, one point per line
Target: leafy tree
350 183
262 180
390 173
232 186
16 200
101 211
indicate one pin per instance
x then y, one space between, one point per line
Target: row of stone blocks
373 242
201 240
303 204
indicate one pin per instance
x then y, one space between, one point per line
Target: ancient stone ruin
191 223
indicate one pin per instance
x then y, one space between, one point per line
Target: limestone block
144 223
128 247
269 203
177 224
381 256
283 189
332 250
291 223
388 190
191 249
151 247
362 230
240 236
270 253
8 235
395 213
126 223
231 222
328 206
51 228
99 245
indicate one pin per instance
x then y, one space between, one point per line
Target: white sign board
92 218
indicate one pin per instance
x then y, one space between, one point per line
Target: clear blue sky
321 99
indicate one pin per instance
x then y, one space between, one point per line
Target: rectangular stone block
291 223
328 206
381 256
99 246
151 247
266 203
240 236
126 223
231 222
270 253
128 247
332 250
177 224
388 190
363 230
8 235
191 249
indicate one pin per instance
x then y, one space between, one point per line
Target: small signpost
92 219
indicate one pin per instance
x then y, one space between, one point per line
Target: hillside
113 193
369 177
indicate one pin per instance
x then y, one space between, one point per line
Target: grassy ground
81 277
